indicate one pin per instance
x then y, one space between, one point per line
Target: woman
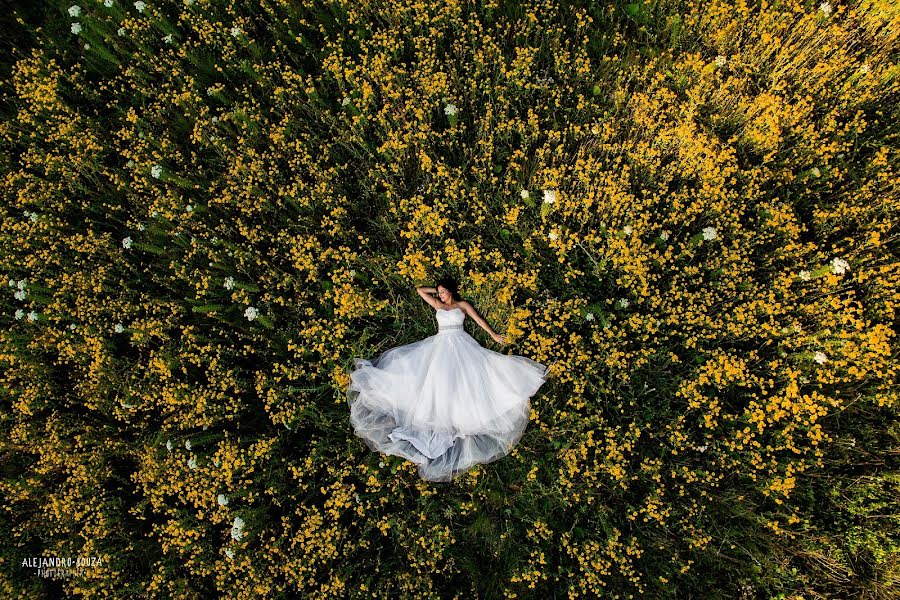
445 402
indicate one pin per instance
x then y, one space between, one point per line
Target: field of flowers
689 210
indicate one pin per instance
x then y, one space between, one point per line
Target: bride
445 403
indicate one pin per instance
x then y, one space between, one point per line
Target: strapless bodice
450 320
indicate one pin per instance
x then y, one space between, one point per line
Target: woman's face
443 294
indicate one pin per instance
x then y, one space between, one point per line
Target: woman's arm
426 292
470 310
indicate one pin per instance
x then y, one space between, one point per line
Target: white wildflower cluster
825 7
820 358
251 313
156 171
549 196
237 529
709 233
222 500
524 194
720 61
839 266
119 328
126 243
20 285
450 109
192 462
229 283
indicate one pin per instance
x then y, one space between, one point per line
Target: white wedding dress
445 402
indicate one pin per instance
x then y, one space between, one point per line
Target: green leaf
633 10
207 308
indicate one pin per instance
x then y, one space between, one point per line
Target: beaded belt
449 327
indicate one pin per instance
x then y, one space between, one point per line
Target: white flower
87 46
192 462
237 529
345 101
816 172
187 444
235 31
121 32
21 284
229 283
450 109
140 226
214 119
251 313
702 448
623 302
119 328
32 316
820 358
126 243
381 463
169 445
720 61
189 208
525 194
552 235
19 314
76 28
627 230
72 326
74 10
865 69
140 6
709 233
549 196
589 316
804 275
222 500
229 552
825 7
20 295
108 3
168 39
664 236
156 171
839 266
127 405
12 283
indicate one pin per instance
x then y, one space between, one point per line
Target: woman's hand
499 338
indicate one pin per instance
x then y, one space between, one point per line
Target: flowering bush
688 210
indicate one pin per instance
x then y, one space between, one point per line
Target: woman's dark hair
452 286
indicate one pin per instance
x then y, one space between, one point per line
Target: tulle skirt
445 402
